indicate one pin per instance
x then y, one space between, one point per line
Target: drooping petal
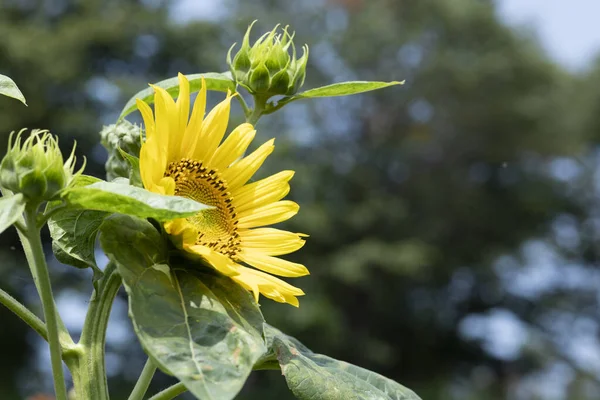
240 171
273 265
233 147
260 193
218 261
269 286
271 241
267 215
185 232
213 130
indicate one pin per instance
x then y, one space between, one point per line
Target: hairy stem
143 381
42 278
170 392
23 312
260 104
89 370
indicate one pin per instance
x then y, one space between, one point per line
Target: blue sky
568 29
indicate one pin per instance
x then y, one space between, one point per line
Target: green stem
22 312
42 277
46 216
143 381
243 104
89 370
170 392
260 103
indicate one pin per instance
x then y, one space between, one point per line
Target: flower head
35 166
266 67
186 156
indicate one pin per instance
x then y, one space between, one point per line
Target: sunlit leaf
9 88
312 376
118 197
345 89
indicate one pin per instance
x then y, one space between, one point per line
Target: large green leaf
344 89
11 208
9 88
198 326
74 235
118 197
313 376
74 231
214 81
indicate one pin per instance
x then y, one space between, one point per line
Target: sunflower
186 156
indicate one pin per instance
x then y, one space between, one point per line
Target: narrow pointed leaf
11 208
196 325
214 81
134 168
312 376
9 88
344 89
118 197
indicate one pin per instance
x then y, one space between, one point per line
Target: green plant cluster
193 323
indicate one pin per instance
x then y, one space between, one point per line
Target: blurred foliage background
454 221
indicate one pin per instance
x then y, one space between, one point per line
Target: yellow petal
233 147
166 120
268 215
240 171
183 112
152 162
192 131
168 185
146 112
182 232
213 130
273 265
218 261
270 241
260 193
269 286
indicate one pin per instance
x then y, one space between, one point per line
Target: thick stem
89 370
22 312
170 392
260 104
143 381
42 278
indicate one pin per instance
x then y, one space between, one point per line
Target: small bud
124 136
35 167
266 68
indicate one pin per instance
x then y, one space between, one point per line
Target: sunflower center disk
217 227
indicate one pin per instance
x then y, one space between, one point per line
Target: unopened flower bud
35 166
266 67
125 136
